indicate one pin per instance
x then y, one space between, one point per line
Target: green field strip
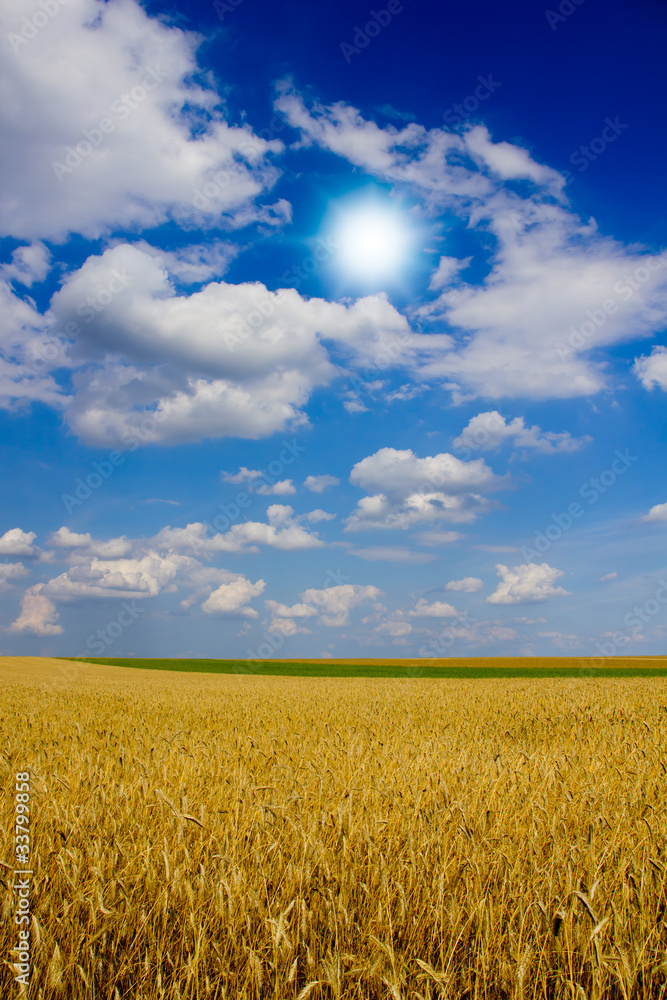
324 668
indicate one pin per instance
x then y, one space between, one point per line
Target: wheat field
201 836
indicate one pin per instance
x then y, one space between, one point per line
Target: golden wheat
244 837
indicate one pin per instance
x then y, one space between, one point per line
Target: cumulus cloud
242 476
145 144
468 585
446 271
16 542
279 610
282 530
144 575
488 431
614 575
282 488
114 548
38 614
394 629
439 609
407 490
511 162
139 568
232 598
335 603
525 584
10 571
318 515
226 360
656 515
29 264
287 627
27 351
318 484
652 369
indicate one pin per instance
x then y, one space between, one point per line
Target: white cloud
232 598
652 369
145 575
318 515
318 484
196 263
468 585
242 476
336 603
279 610
10 571
281 488
407 490
394 629
16 542
287 627
38 614
281 531
439 609
557 290
657 514
131 151
527 583
114 548
122 568
226 360
29 264
490 430
25 346
511 162
430 160
614 575
446 271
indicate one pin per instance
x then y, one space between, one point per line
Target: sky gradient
333 330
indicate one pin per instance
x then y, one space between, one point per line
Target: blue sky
333 330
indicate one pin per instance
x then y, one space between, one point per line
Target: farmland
464 668
228 835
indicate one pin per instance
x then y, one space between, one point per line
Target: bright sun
372 241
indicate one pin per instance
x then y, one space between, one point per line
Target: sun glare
372 242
